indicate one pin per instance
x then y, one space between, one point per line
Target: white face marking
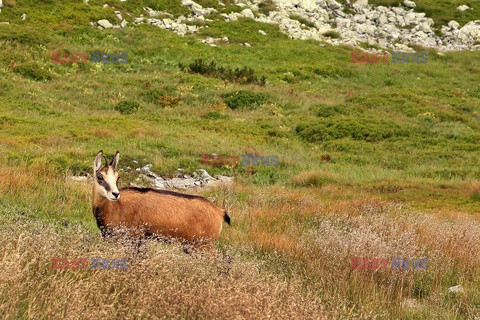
109 181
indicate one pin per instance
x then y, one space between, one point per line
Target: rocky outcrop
147 178
356 22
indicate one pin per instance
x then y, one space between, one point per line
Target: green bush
244 99
302 20
127 107
243 76
214 115
33 71
355 128
325 111
332 34
266 6
334 71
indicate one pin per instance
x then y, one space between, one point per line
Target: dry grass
291 247
167 284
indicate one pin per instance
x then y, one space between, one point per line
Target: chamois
150 213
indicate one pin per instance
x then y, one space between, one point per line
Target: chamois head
106 177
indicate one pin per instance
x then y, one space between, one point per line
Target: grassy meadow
375 161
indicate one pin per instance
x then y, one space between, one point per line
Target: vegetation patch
33 71
302 20
127 107
266 6
332 34
333 128
244 99
243 75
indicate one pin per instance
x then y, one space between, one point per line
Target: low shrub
33 71
244 75
127 107
244 99
302 20
332 34
345 127
266 6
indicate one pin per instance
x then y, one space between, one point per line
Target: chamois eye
100 178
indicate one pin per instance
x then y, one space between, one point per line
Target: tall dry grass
165 284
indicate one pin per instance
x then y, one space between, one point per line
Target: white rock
119 15
425 27
453 24
123 24
463 7
456 289
105 24
1 4
24 16
409 4
308 5
359 18
382 20
262 32
362 3
410 18
332 4
247 13
398 10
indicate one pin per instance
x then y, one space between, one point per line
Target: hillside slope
375 160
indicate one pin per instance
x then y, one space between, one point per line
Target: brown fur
193 220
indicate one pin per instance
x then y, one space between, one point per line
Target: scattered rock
456 289
181 181
105 24
1 3
332 4
24 16
409 4
463 7
453 24
247 13
361 3
119 15
391 28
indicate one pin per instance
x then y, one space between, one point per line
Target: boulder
409 4
361 3
105 24
463 7
247 13
453 24
332 4
308 5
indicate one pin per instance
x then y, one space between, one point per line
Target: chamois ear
115 159
98 161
